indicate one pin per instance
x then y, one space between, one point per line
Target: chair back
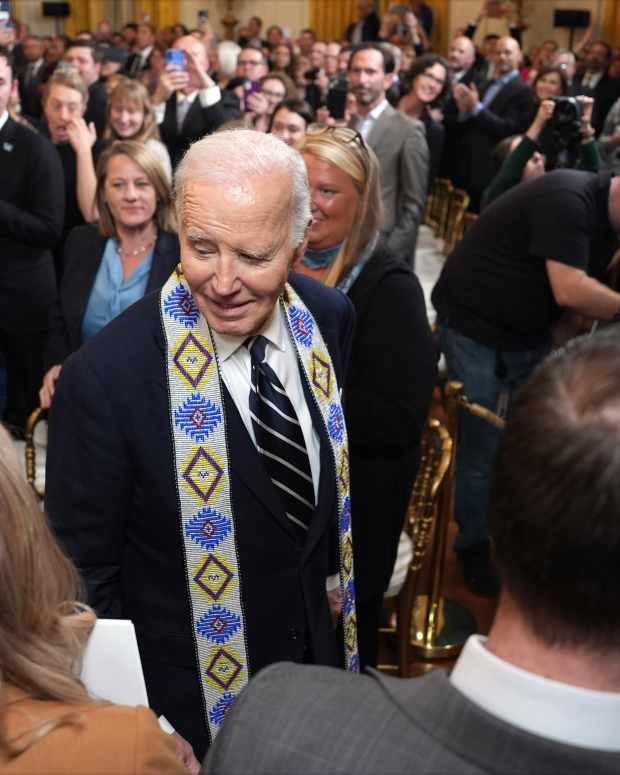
37 416
457 205
437 205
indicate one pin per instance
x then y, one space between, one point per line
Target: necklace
132 253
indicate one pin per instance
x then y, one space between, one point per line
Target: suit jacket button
293 633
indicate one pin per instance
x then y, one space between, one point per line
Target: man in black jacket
504 107
188 104
31 216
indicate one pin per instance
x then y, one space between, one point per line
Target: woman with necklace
131 251
391 372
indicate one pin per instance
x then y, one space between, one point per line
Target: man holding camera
534 253
187 103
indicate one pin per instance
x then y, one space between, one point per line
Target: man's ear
14 90
303 246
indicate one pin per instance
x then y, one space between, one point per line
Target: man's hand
466 97
186 754
334 600
49 386
197 72
171 80
81 136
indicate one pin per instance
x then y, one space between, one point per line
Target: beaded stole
198 426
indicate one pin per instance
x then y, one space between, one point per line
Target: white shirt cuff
209 96
332 582
159 111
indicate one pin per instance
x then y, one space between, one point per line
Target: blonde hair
346 150
132 93
71 79
43 627
150 164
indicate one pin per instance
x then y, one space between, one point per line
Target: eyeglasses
439 81
248 63
275 94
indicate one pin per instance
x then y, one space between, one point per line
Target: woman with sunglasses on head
48 721
426 86
391 373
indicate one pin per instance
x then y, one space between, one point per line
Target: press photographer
561 135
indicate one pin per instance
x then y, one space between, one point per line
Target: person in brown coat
48 721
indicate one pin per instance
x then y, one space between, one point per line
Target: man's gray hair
235 155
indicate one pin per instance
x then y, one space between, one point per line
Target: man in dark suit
540 694
368 25
504 107
187 103
400 145
31 216
203 497
596 82
29 78
145 42
84 56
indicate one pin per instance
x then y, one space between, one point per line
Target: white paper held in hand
111 669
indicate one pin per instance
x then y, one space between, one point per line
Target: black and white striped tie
279 440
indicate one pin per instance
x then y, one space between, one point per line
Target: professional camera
564 127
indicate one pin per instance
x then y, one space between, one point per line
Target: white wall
538 15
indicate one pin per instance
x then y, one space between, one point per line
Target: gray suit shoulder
409 124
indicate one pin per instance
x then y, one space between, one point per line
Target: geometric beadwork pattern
197 422
319 370
208 528
218 624
197 416
209 541
302 325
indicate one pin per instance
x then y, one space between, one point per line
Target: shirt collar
376 112
562 712
274 330
506 78
3 119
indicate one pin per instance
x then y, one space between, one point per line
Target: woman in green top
523 156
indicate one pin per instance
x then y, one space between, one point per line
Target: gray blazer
307 720
400 145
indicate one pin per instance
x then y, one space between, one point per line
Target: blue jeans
489 378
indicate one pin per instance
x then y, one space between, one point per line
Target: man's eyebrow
196 235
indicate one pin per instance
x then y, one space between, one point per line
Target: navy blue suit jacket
112 500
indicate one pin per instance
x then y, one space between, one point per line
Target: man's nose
224 276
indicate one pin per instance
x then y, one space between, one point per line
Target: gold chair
37 416
458 204
428 492
437 205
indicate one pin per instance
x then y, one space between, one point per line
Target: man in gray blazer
541 694
398 141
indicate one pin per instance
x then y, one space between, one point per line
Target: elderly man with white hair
198 464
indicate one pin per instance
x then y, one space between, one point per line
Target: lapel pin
7 147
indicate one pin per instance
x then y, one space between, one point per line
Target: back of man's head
555 501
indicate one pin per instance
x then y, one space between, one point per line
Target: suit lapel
379 126
163 262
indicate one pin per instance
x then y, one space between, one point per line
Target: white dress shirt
207 97
558 711
281 355
3 119
364 125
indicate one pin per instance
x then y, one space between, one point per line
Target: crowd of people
208 279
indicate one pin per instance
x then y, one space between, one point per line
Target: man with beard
398 141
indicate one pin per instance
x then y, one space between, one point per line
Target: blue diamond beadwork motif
223 669
192 360
335 422
180 305
321 374
213 577
218 624
219 711
349 597
302 325
208 528
345 517
203 474
198 416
